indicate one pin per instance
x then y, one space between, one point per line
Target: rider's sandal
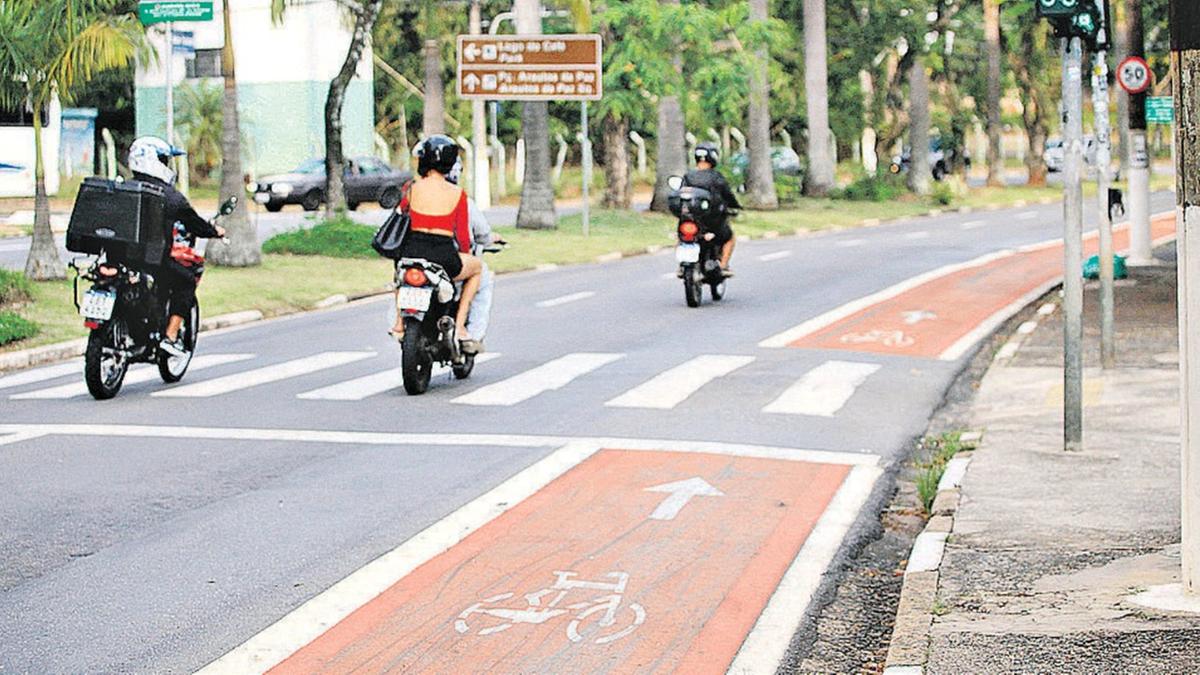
398 336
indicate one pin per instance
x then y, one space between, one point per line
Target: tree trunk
433 120
335 159
242 249
43 262
991 31
760 179
618 193
816 93
537 194
918 130
670 142
1029 67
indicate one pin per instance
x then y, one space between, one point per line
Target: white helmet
152 156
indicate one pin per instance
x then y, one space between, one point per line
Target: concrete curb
908 651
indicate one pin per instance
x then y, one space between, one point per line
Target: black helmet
437 153
707 152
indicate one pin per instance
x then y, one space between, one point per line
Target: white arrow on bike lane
681 492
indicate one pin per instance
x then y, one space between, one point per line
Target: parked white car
1055 156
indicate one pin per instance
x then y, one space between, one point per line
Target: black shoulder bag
389 238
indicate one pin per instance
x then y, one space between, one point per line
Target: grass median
303 267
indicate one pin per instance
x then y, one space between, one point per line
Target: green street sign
161 11
1160 109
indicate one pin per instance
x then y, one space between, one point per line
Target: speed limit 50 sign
1134 75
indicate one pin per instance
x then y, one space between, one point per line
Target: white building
283 74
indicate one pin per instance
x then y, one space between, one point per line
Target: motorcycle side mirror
675 182
228 207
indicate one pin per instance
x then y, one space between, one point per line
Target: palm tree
991 32
760 181
201 109
242 248
816 94
364 13
537 195
672 142
52 48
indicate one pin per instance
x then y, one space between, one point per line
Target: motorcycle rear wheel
172 368
416 363
692 292
104 373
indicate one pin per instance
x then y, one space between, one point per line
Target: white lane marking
670 388
1027 215
17 437
920 234
863 458
817 323
985 328
766 645
264 375
1027 327
670 275
823 390
849 243
1047 309
555 374
147 373
73 367
562 300
973 224
777 255
375 383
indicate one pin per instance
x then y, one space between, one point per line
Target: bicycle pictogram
887 338
548 603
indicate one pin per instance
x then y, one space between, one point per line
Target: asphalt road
159 552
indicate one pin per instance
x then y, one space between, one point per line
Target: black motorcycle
428 299
698 255
126 313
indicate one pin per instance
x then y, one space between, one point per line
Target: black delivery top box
122 219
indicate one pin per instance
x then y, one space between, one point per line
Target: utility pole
1139 156
1072 97
480 173
1185 61
1100 108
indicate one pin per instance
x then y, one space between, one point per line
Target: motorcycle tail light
108 271
415 276
91 325
688 231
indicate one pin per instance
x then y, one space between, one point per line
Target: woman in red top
440 230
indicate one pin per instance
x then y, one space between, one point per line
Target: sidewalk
1046 547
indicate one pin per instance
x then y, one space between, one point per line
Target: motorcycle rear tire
191 326
98 386
416 363
692 292
463 370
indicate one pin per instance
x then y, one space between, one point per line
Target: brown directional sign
530 67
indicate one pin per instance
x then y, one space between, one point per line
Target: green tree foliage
199 119
54 48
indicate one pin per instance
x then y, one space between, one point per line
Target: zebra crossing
820 391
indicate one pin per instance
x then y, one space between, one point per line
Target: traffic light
1086 19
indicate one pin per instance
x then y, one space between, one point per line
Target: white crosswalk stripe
147 373
73 367
672 387
267 374
824 390
555 374
375 383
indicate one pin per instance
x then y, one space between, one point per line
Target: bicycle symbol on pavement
887 338
547 604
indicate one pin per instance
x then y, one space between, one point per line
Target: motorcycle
126 314
428 299
698 255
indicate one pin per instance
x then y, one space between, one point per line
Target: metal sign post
1103 182
587 164
1072 97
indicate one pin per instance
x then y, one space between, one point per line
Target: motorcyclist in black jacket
705 176
150 161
